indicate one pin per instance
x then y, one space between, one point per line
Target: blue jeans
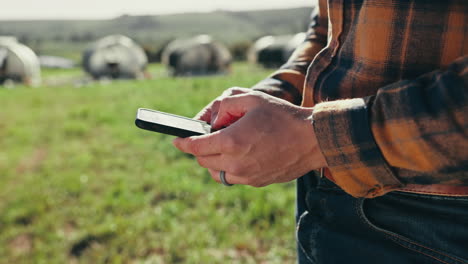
397 228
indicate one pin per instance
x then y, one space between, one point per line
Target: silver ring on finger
222 177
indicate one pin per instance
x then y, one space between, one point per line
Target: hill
66 37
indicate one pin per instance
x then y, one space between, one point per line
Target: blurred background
79 183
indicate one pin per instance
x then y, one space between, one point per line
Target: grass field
79 183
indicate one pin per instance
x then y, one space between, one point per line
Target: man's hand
210 111
266 140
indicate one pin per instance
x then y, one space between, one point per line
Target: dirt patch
22 244
159 251
33 162
69 229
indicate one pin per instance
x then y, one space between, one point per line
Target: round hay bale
115 57
18 63
200 55
274 51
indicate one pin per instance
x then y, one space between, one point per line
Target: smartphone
170 124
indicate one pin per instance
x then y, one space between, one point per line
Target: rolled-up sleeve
410 132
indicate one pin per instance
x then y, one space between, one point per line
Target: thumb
232 109
204 115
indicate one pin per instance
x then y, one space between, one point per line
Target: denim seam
421 252
297 237
399 238
415 190
433 197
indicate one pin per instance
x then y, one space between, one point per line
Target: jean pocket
434 226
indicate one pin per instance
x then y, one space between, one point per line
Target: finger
231 179
229 92
200 145
215 175
232 109
213 162
214 109
222 177
211 110
204 115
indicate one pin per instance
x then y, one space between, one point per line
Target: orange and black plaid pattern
388 80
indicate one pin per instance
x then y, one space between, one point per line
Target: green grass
79 183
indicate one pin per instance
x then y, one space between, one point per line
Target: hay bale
115 57
200 55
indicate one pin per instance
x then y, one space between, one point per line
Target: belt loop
321 172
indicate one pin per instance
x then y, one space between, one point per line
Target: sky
105 9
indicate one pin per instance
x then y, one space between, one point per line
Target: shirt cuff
344 135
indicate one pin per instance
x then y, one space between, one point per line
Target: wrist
315 156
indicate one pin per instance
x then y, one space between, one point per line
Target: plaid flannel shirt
388 80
